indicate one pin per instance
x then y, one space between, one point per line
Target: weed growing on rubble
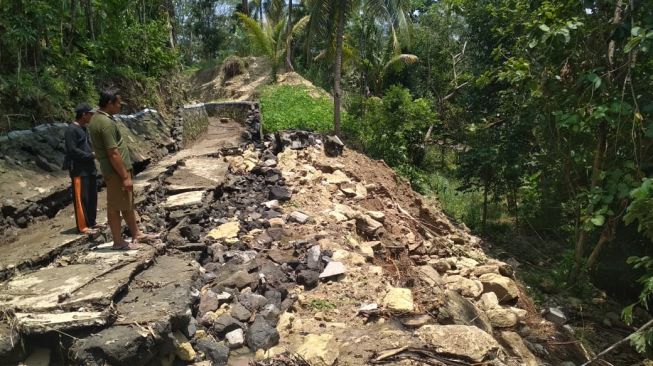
319 304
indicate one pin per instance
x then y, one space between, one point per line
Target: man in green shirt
116 166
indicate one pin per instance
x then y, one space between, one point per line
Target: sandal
129 246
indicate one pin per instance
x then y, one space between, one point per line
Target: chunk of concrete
464 341
333 269
320 349
399 299
184 200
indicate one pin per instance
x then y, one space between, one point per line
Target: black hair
80 114
108 96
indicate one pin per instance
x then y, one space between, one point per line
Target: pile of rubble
290 252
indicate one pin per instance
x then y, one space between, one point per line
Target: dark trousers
85 201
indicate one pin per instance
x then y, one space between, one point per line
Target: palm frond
398 62
259 37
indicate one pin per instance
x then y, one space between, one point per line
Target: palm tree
271 38
328 18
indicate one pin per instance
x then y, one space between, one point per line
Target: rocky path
274 254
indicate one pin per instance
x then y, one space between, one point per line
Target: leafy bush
293 107
391 128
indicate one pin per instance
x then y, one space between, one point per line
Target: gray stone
209 301
240 312
261 335
459 310
271 313
225 324
298 217
235 338
280 193
555 315
333 269
191 328
117 345
216 352
309 279
253 302
313 257
240 279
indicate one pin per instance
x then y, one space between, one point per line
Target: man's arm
72 146
119 166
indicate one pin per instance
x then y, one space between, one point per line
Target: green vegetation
319 304
294 107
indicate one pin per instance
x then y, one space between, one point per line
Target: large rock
459 310
117 345
261 335
217 353
502 318
368 226
467 342
467 287
399 299
504 287
515 345
319 349
235 338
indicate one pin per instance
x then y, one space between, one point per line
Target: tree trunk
579 250
88 12
337 93
289 67
484 220
170 12
246 7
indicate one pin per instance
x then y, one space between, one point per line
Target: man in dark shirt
82 169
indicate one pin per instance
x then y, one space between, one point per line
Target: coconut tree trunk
337 92
289 67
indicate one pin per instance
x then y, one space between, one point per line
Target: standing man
81 165
116 166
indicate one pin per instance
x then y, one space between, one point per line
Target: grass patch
286 107
319 304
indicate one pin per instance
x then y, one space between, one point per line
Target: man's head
83 113
110 101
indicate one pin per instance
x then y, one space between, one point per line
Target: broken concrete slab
91 281
161 293
202 173
40 323
184 199
333 269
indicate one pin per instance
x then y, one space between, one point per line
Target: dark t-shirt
79 152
